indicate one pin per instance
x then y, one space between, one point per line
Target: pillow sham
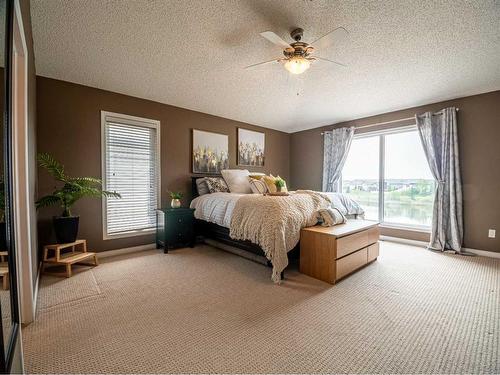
271 184
216 185
257 175
257 185
201 186
331 216
269 181
237 180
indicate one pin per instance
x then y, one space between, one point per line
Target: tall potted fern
72 189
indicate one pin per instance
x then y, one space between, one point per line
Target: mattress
217 208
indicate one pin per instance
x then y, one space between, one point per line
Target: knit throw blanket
274 222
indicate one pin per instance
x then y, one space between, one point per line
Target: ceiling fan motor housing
299 48
297 34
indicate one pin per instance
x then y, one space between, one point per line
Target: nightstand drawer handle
180 220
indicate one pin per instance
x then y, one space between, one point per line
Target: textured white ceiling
191 54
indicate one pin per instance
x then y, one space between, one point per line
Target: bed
213 213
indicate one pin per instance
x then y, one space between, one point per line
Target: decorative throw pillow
201 186
237 180
271 184
216 185
257 175
331 216
269 181
258 186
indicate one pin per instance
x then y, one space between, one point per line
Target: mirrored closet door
9 338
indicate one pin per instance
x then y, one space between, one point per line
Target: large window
130 167
361 175
388 174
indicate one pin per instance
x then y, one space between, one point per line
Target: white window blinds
131 169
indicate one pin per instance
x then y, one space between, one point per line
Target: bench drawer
351 262
349 244
373 252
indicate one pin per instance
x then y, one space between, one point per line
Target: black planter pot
66 228
3 237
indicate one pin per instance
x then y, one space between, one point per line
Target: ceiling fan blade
330 61
275 39
336 35
262 63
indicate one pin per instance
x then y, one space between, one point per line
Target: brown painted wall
69 127
479 138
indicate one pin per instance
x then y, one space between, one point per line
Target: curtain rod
389 122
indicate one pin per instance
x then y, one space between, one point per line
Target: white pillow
237 180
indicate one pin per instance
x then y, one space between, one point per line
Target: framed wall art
251 148
210 152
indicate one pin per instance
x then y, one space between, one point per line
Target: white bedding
218 207
215 208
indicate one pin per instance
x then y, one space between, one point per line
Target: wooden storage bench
331 253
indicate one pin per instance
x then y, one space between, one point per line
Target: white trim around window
110 118
409 227
399 129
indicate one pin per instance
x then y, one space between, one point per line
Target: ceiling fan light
297 65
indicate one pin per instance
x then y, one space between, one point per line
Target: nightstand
174 228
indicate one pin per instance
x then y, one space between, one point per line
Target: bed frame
218 236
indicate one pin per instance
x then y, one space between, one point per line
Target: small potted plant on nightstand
176 197
74 188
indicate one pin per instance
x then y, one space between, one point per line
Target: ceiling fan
298 54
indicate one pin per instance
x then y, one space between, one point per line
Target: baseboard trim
404 241
484 253
127 250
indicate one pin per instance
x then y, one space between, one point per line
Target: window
361 175
388 174
130 163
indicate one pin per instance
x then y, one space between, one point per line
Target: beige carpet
203 310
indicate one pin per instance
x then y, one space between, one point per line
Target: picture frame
210 152
251 148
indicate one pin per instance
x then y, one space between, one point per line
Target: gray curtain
438 132
336 144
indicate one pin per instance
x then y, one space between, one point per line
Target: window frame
129 121
381 196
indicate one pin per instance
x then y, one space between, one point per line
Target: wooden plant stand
4 274
4 270
68 259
